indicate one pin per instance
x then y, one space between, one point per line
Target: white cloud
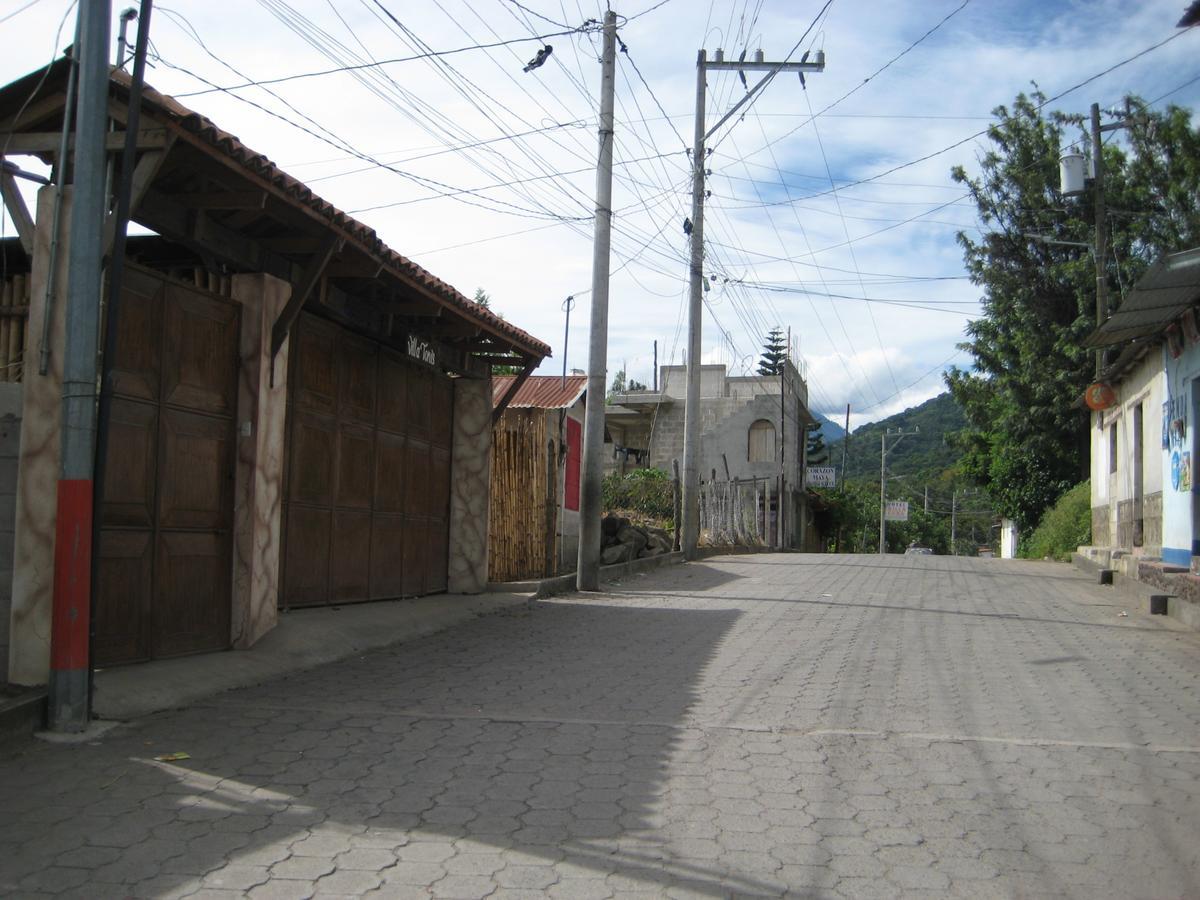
938 94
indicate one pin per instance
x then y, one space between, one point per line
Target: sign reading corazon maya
820 476
896 511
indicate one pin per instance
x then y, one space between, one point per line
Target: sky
830 213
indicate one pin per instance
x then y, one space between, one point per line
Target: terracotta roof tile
208 132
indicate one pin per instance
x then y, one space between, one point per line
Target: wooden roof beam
38 143
301 290
530 365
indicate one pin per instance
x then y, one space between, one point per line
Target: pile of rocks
621 540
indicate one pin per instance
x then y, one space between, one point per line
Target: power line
374 64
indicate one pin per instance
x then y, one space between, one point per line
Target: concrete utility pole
1101 230
587 576
67 701
899 434
690 514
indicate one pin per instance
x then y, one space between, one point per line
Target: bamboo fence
517 520
14 313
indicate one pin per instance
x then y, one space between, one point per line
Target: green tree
1026 439
774 353
618 385
817 454
484 299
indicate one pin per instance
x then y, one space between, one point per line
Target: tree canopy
1027 436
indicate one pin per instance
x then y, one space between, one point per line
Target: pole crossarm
772 69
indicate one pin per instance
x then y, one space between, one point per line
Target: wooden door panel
355 443
306 566
350 561
389 473
441 409
419 398
392 404
387 557
416 484
416 557
356 379
311 472
124 582
197 471
315 363
132 464
191 593
136 369
201 344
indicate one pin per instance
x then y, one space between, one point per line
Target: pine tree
774 353
817 453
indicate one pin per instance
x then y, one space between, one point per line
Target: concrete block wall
10 440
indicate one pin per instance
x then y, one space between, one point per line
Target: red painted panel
574 457
70 616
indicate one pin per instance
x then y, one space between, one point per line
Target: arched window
761 441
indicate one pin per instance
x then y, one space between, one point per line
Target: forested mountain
927 453
830 430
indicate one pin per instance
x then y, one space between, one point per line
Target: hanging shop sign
896 511
820 476
1099 396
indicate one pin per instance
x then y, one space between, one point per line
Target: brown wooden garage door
164 572
368 471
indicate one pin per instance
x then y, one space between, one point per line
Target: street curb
565 584
303 639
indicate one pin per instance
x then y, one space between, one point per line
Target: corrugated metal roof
541 391
1164 293
206 131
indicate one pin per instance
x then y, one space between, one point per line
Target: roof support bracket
18 212
531 363
300 292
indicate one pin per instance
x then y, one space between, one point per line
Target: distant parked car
918 551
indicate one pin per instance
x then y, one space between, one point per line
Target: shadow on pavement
516 742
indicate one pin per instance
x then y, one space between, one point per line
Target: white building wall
1113 492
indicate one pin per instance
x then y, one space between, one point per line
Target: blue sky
890 238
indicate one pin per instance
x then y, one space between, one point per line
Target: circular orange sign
1099 396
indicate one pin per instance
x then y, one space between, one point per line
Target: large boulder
633 536
617 553
610 525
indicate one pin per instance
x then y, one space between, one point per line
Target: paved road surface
760 725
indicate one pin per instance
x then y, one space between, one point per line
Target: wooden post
551 509
16 330
677 501
5 324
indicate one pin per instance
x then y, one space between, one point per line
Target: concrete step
22 712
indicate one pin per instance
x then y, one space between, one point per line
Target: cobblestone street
818 726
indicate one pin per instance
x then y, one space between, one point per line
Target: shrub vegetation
1066 526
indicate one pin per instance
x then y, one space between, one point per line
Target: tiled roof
541 391
202 128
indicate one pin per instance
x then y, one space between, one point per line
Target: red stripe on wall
71 615
574 455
